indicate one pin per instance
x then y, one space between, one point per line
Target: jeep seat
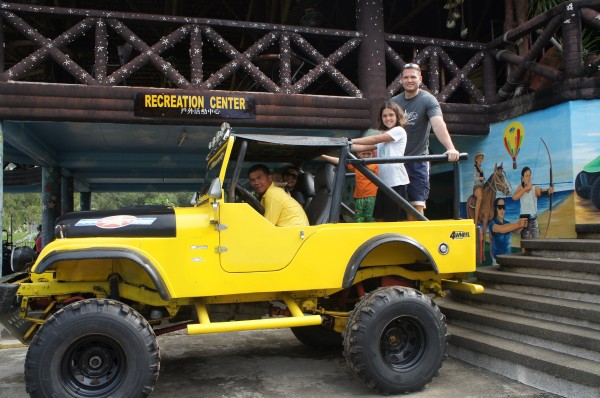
304 190
320 206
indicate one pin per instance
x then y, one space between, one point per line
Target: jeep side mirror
214 191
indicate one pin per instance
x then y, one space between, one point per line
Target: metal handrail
360 165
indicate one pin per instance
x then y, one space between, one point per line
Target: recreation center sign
194 106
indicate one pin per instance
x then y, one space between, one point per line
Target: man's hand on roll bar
452 155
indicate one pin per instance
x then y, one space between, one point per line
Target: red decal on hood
115 221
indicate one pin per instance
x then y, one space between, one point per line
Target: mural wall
585 127
531 166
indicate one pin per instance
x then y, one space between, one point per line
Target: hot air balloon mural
514 134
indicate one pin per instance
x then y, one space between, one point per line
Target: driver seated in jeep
280 208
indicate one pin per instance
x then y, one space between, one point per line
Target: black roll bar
399 200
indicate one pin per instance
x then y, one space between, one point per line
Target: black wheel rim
93 366
403 343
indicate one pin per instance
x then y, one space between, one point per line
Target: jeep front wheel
93 348
395 340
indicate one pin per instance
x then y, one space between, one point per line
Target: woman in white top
391 142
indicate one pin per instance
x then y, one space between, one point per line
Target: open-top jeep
92 303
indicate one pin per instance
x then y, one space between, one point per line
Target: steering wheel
247 197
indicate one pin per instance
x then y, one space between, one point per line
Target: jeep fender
108 253
370 245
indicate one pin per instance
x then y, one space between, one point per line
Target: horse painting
497 182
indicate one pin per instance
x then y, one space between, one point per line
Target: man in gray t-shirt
423 113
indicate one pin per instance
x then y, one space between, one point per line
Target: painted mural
523 176
585 125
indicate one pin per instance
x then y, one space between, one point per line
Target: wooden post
85 201
371 64
50 202
572 48
2 174
66 195
434 74
489 78
3 45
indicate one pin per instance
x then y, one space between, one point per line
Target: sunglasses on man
411 66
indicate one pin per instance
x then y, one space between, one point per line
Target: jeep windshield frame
217 159
277 149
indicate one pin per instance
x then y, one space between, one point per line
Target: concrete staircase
538 321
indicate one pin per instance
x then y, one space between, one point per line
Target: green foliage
24 208
21 208
537 7
590 41
118 200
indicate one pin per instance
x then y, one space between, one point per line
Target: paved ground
273 364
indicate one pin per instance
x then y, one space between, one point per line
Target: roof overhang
112 157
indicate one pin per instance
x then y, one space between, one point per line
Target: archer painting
529 165
540 182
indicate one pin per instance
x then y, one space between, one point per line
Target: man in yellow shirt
280 208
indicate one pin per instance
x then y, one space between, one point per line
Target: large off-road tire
395 340
318 337
93 348
595 193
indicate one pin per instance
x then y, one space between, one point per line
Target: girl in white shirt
391 142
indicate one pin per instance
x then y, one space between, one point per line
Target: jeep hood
154 222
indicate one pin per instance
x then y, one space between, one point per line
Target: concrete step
549 286
541 368
582 342
538 320
558 267
569 312
583 249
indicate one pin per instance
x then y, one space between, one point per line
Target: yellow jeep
91 305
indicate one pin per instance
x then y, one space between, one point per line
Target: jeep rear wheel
93 348
395 340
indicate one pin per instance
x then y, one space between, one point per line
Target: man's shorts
418 189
